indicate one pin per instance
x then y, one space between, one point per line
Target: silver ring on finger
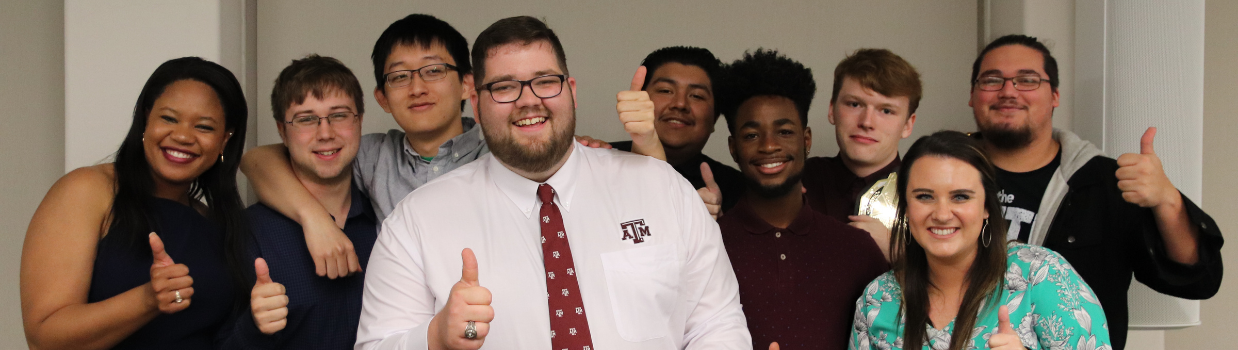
470 331
178 297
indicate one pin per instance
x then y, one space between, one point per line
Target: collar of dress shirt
523 192
846 179
742 212
467 141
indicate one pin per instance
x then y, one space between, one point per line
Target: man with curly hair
798 269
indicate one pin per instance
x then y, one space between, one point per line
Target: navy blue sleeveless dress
190 239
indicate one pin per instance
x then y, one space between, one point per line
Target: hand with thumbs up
170 285
268 301
710 194
1005 338
636 112
1142 179
468 301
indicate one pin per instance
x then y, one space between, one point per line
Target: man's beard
1007 138
774 191
538 157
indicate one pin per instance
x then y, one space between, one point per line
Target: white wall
32 135
605 42
111 48
1220 163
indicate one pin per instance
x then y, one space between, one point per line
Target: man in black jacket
1111 219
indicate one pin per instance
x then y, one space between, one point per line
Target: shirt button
783 256
457 155
777 234
435 169
1070 239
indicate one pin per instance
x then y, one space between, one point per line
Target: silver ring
470 331
178 297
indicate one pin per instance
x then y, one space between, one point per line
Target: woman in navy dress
143 253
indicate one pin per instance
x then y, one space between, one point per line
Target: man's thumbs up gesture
710 194
636 112
1142 179
268 301
1005 338
171 286
465 320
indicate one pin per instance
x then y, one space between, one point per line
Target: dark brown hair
883 72
523 30
1050 65
907 257
313 75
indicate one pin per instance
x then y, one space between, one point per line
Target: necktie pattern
569 329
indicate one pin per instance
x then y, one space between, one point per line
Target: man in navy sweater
318 110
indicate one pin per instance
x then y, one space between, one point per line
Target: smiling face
945 207
532 133
769 145
185 133
322 153
683 100
869 125
1010 114
424 108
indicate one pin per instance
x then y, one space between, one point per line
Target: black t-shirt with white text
1020 197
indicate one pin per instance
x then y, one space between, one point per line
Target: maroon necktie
569 329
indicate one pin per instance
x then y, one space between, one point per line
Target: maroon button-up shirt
799 284
834 190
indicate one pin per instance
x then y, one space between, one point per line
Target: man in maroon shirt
799 271
873 107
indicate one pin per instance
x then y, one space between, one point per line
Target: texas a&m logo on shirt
635 230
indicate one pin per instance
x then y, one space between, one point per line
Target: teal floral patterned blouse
1050 308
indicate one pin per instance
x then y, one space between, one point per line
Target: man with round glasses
1110 219
318 107
481 256
423 78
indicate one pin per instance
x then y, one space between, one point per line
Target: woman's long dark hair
908 260
131 208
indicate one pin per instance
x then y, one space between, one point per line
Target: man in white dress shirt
645 262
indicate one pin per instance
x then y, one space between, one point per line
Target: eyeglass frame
1015 85
417 71
486 87
318 121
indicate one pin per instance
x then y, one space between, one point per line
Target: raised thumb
708 176
161 257
262 271
468 274
638 79
1003 321
773 346
1145 142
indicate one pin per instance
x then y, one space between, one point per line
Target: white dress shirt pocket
643 285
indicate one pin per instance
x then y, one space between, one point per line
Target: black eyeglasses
335 119
1021 83
432 72
545 86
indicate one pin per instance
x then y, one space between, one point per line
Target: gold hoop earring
902 226
984 232
221 157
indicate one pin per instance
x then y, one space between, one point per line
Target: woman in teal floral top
945 264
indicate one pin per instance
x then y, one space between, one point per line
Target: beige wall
31 135
1219 314
605 41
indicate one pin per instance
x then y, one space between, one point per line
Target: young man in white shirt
645 268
